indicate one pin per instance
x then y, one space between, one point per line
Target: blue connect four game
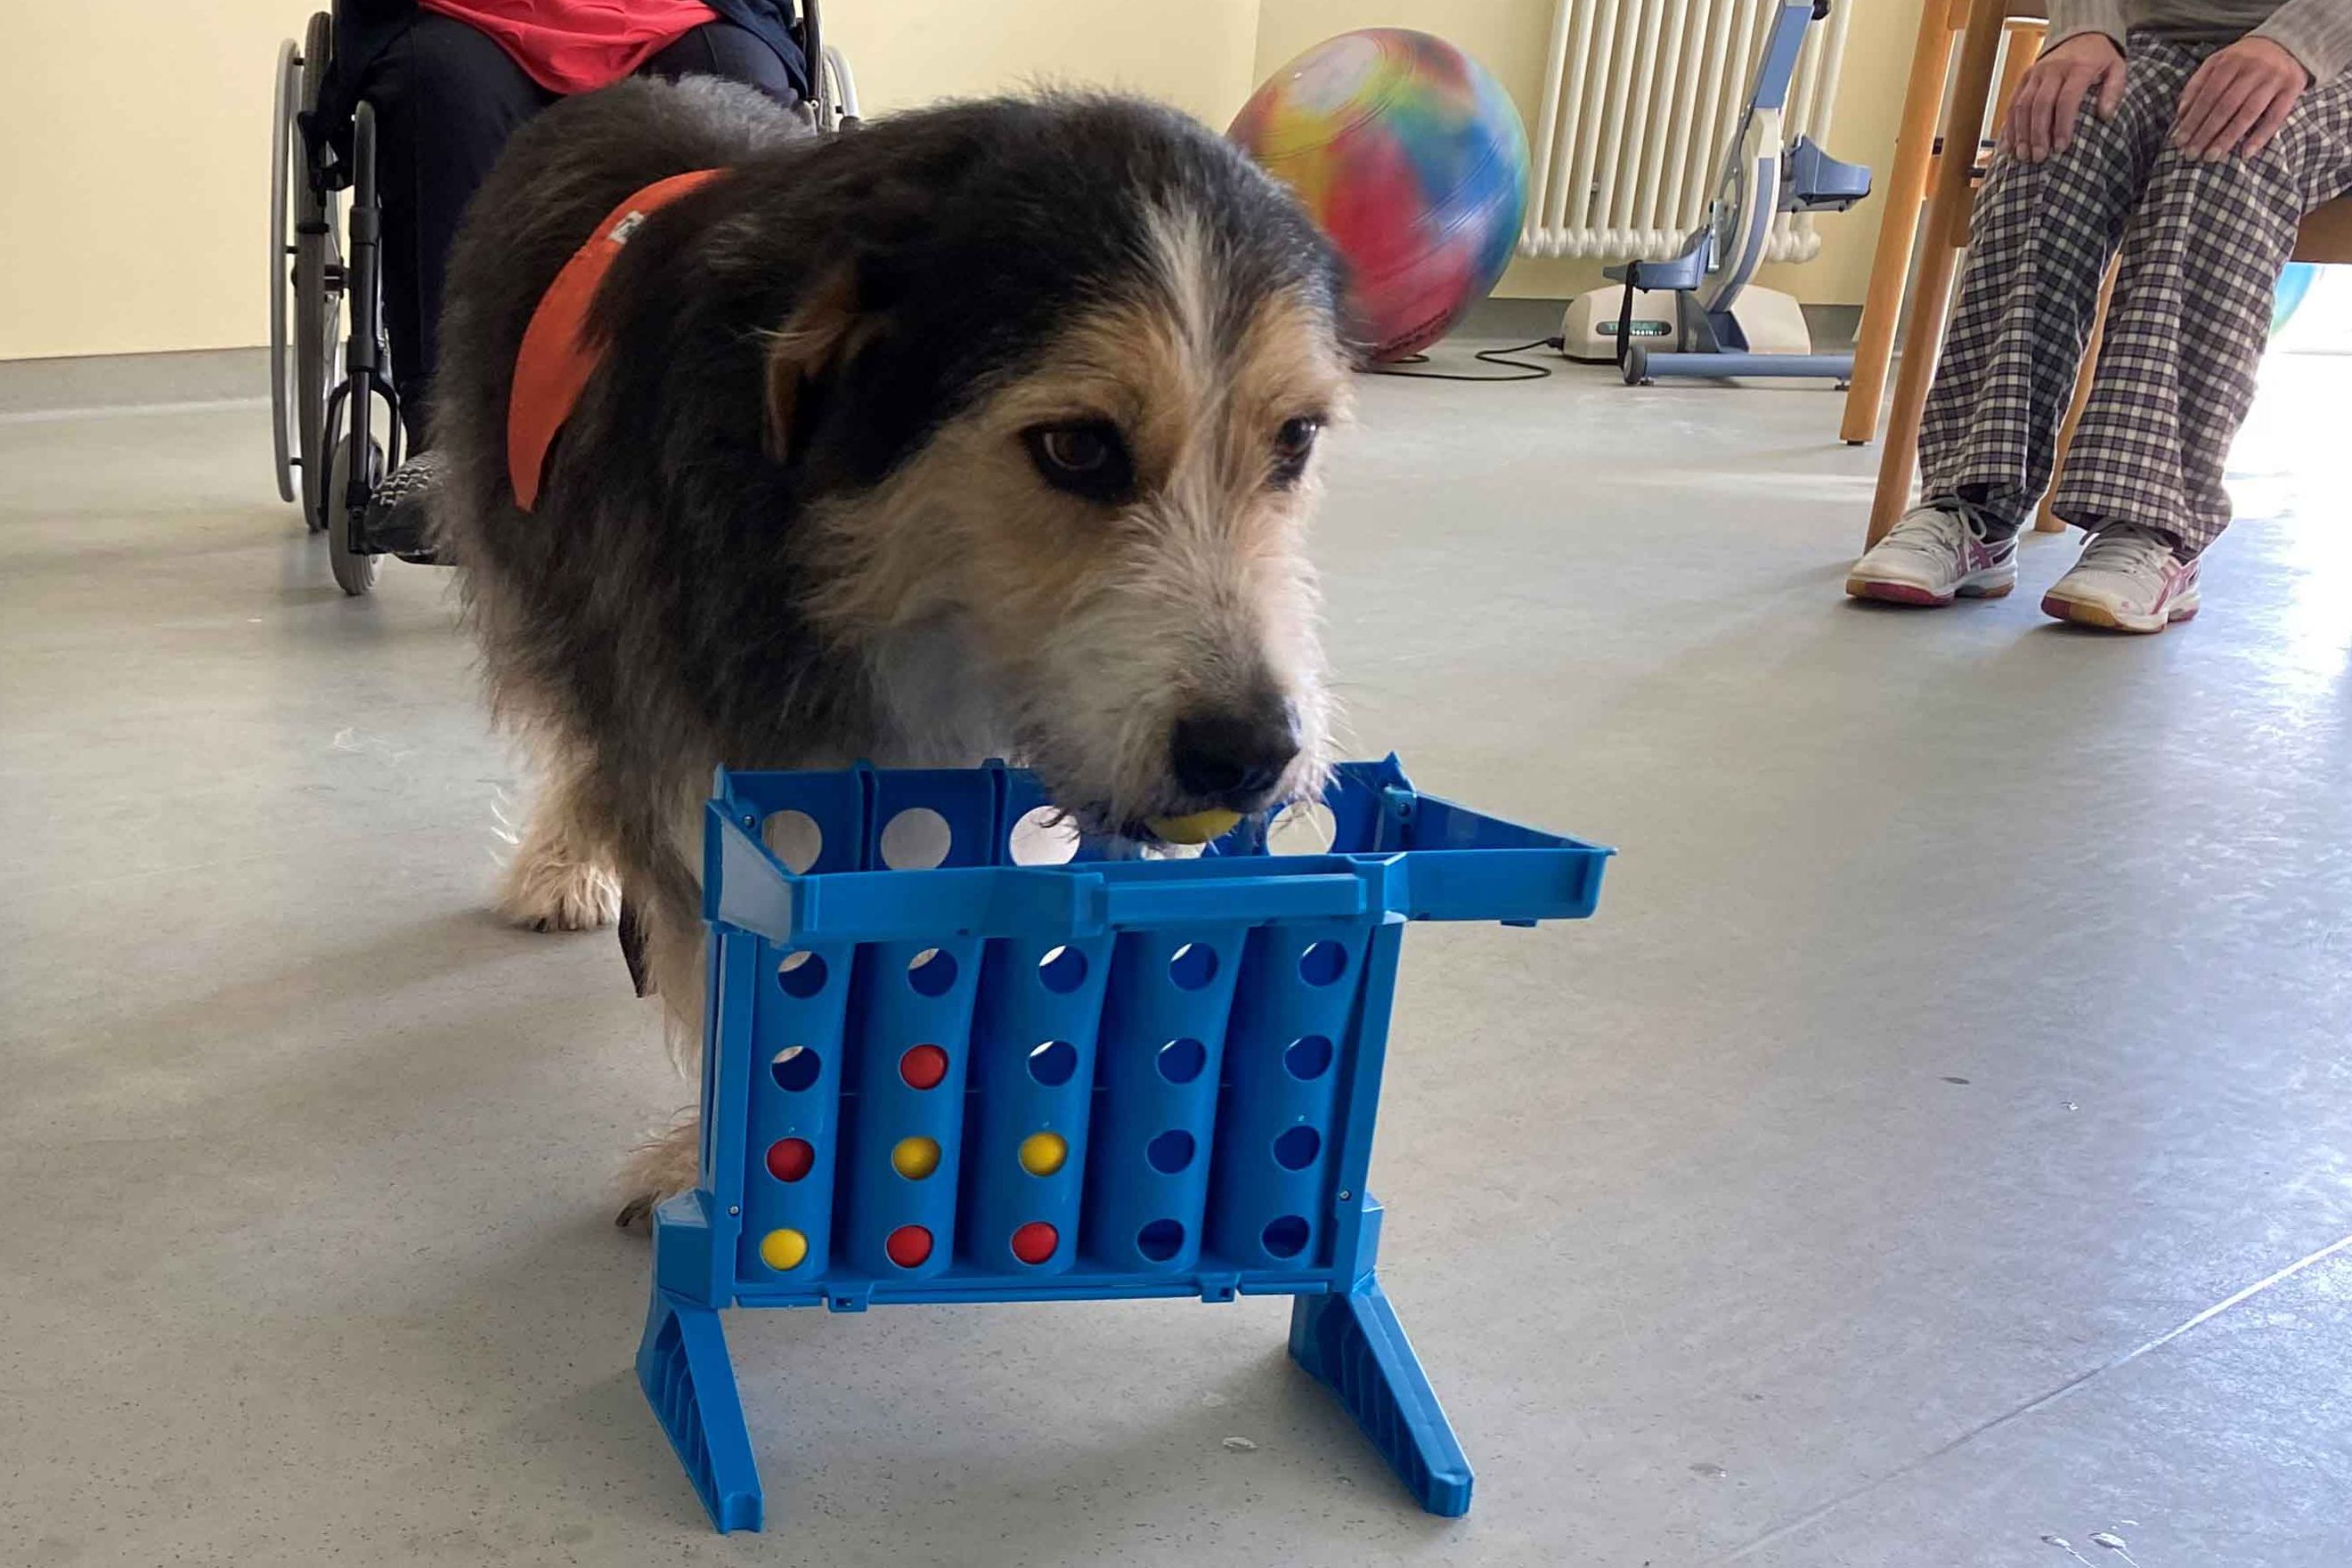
990 1081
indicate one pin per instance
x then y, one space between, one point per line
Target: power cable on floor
1490 356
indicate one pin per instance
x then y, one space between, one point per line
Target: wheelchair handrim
282 432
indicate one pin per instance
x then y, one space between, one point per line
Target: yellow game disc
1197 828
915 1158
1042 1154
783 1250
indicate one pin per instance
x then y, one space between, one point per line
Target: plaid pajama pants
2203 245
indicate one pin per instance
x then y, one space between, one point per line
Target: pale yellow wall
134 136
1511 37
134 143
1196 55
133 133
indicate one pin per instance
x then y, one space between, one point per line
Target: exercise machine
1700 309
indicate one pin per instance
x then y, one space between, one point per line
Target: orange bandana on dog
556 358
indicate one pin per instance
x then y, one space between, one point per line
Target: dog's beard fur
1000 614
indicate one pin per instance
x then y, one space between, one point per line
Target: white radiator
1639 98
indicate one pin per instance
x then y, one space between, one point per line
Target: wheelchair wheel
318 290
836 93
354 571
285 91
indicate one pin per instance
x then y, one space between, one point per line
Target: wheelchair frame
325 257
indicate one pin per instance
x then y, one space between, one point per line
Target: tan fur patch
1101 623
822 332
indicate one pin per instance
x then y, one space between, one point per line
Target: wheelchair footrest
396 530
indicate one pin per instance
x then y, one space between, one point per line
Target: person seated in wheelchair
450 80
2181 141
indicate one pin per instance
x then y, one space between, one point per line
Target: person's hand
2238 100
2042 116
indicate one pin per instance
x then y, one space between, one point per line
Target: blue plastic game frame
1101 1080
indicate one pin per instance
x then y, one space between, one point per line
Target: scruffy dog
982 430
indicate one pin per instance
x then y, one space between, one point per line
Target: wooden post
1898 222
1947 231
2023 48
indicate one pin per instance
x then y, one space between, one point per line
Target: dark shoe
399 513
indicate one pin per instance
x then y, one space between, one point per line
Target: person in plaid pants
2185 139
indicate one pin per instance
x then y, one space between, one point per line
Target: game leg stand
1103 1079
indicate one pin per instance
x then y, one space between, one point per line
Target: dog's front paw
659 1169
552 891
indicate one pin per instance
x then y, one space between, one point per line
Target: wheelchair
334 408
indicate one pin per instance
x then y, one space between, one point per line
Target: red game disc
923 1066
789 1159
1035 1242
908 1245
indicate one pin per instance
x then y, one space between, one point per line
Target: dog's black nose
1234 756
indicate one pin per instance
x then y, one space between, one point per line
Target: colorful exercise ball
1413 159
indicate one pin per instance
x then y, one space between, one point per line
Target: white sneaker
2128 581
1936 553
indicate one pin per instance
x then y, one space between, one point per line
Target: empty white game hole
1042 836
917 839
1301 828
793 838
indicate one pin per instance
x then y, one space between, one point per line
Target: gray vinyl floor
1939 1149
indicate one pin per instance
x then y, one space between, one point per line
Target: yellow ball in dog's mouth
1197 828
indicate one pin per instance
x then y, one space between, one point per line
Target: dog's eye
1089 459
1293 443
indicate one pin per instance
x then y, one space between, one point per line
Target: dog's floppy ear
823 332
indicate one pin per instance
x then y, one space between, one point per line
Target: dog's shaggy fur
982 430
